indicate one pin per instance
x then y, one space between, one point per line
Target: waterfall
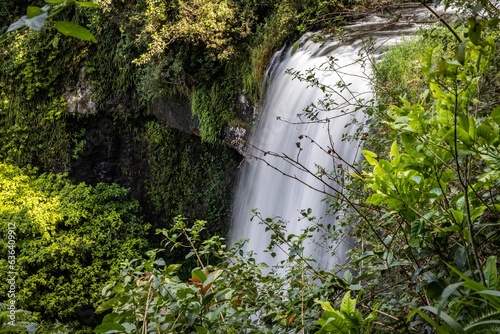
273 186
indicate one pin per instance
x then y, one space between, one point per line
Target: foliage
425 217
32 113
36 17
212 23
457 320
69 239
437 192
345 320
188 178
227 292
212 110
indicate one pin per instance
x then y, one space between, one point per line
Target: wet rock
175 115
79 98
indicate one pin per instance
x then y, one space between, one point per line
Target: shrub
69 240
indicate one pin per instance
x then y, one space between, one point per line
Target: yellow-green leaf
33 11
370 157
87 4
74 30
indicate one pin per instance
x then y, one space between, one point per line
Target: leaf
201 330
87 4
423 315
449 320
482 323
172 268
474 31
495 115
490 293
325 305
370 157
394 151
55 2
457 216
334 323
348 305
461 52
199 274
434 289
109 326
472 128
33 11
74 30
476 286
446 293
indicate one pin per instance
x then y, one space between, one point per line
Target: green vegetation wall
69 240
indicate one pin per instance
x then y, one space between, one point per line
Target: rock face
178 116
79 98
175 115
110 155
236 134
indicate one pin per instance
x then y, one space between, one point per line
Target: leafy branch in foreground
36 18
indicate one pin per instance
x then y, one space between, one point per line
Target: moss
33 123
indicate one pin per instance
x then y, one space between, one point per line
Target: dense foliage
426 211
422 209
69 239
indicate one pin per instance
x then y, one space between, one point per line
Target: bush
69 240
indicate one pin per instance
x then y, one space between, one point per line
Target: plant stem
443 21
465 187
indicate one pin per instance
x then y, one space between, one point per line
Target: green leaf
476 286
489 293
370 157
464 136
394 151
109 326
33 11
74 30
482 323
461 52
334 323
457 216
474 31
449 320
434 289
472 128
172 268
495 115
55 2
199 274
447 293
201 330
87 4
325 305
348 305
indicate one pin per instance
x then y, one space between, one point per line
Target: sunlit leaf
74 30
87 4
33 11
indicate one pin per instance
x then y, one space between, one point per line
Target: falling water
268 182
